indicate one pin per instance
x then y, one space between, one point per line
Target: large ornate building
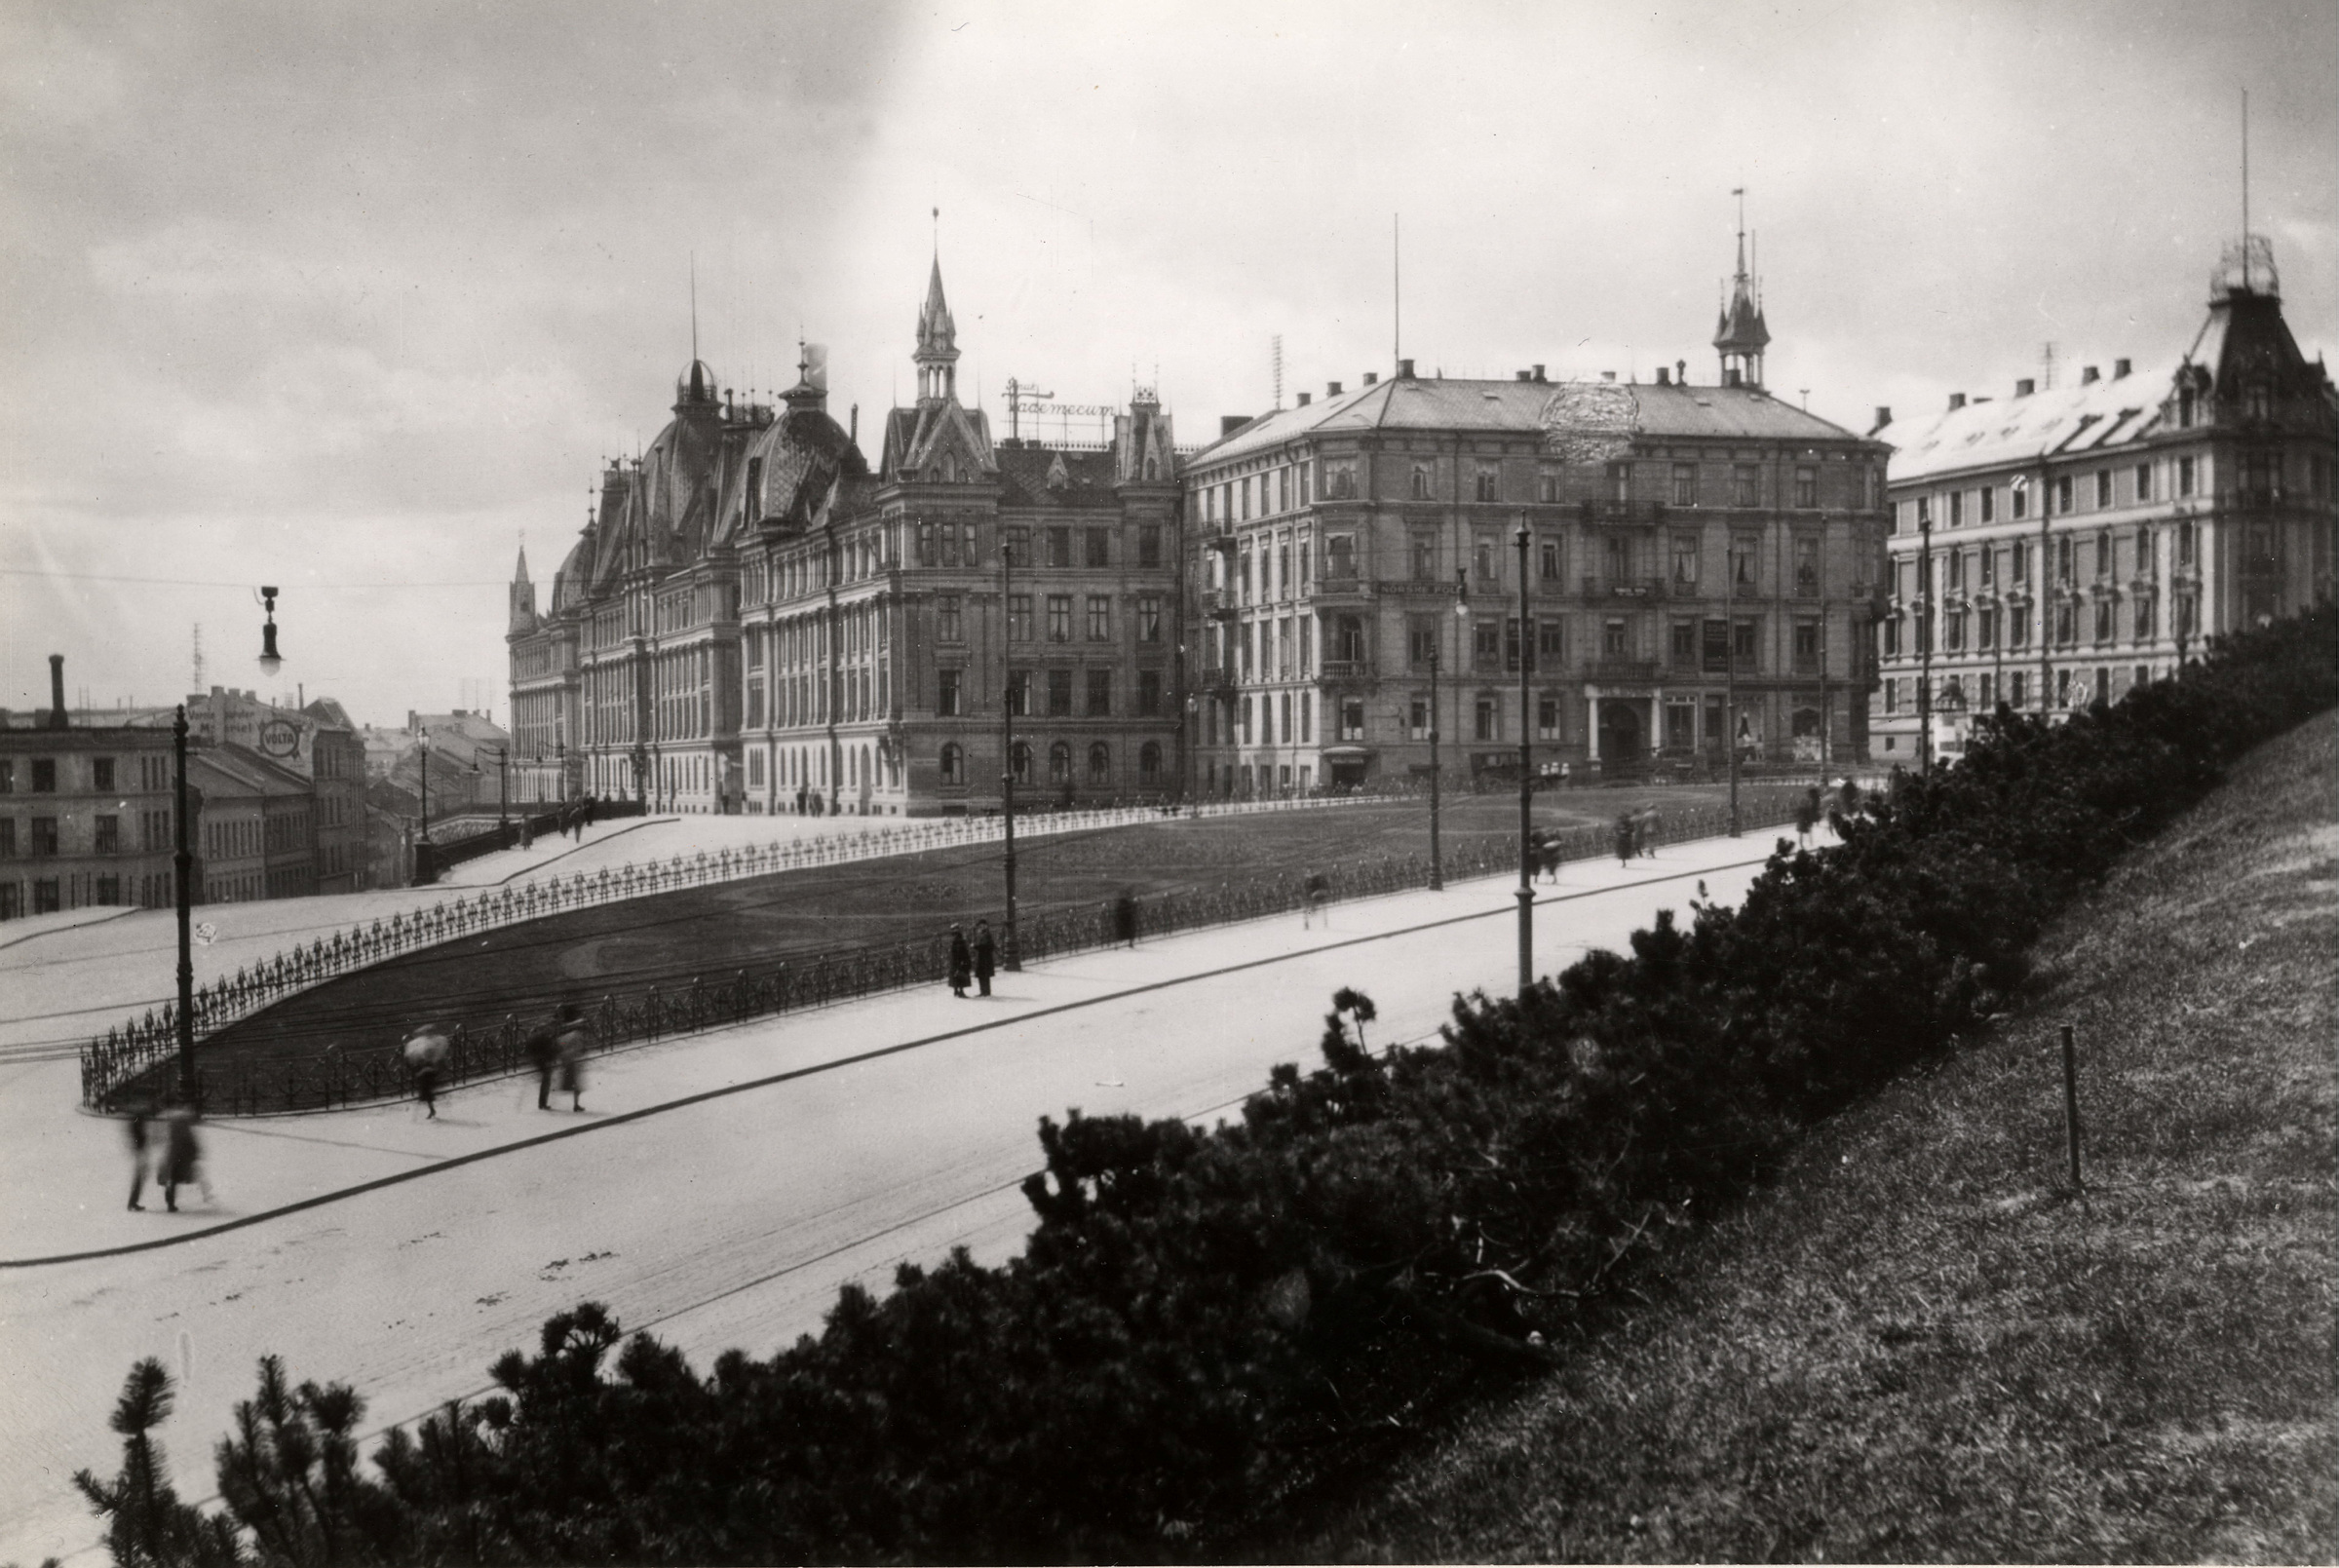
1356 576
2060 546
756 620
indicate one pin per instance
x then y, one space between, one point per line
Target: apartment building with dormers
2063 544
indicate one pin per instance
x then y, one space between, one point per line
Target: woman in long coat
962 961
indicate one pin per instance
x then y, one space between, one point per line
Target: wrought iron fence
118 1068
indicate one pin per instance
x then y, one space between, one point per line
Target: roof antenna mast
694 307
2245 282
1397 294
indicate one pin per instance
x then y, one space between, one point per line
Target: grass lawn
668 939
1919 1344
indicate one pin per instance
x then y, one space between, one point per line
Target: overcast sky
347 298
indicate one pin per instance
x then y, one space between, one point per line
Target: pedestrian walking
1623 838
592 805
544 1054
1644 832
1807 816
962 963
1124 919
425 1050
182 1154
987 956
141 1147
1316 891
569 1045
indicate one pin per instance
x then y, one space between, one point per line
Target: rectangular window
1746 486
1352 718
44 776
1099 552
2018 626
1742 548
1018 693
1059 694
948 624
1807 646
1742 644
101 774
1100 693
43 836
1685 561
2062 495
2143 481
1100 618
1957 509
1422 551
1550 644
1016 541
1489 484
1486 726
1685 484
8 776
1807 565
1892 695
947 694
1485 643
1019 618
2020 491
1620 482
1485 559
1807 488
1684 644
1149 618
1149 545
1060 547
1149 692
1417 720
1550 560
1421 640
1714 647
1060 618
2104 488
1547 717
1616 638
1989 504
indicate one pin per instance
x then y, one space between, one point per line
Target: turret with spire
523 597
1742 335
937 356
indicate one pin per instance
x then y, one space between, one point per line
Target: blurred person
544 1054
570 1041
182 1154
1645 831
1125 918
1314 892
139 1126
424 1049
1623 838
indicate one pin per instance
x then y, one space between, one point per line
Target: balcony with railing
1332 670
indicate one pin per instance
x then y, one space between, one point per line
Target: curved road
731 1221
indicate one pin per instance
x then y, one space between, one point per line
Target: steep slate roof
1415 404
243 773
1023 470
2011 431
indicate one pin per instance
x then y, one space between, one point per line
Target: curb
643 1113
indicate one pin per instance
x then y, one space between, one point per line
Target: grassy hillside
1921 1344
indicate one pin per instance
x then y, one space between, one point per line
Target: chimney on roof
1228 424
1523 375
1957 401
1304 396
2120 367
2089 376
1405 370
1372 377
1539 375
1884 417
1332 389
1607 376
56 691
2025 387
1665 375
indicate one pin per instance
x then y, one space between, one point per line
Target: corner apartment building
317 742
1727 552
2063 544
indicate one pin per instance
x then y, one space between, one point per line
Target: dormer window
2257 400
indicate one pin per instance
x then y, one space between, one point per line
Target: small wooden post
2071 1103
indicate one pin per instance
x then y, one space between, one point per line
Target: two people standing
973 962
558 1053
171 1152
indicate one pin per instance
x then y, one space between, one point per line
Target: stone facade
756 620
2065 543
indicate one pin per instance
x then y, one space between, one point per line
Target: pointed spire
1740 335
937 356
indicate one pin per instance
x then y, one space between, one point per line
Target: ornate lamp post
1436 641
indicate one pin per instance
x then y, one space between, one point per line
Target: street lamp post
183 865
1436 641
1526 780
1012 958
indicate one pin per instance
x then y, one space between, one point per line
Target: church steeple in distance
1742 335
937 356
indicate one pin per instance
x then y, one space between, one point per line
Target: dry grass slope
1921 1345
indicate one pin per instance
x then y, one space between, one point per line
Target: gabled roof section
938 440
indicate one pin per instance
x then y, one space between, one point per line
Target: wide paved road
733 1221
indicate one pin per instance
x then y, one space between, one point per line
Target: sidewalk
66 1173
